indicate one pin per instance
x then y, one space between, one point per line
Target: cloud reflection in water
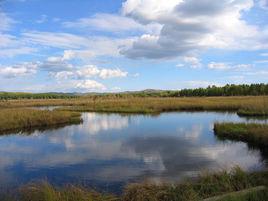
112 149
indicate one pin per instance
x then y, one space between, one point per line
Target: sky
129 45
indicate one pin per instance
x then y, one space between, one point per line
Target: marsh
107 151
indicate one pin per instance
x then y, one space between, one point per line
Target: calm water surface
107 151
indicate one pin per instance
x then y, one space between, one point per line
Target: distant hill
227 90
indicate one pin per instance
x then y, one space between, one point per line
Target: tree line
227 90
18 95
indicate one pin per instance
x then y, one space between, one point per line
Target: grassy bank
46 192
253 112
25 119
158 105
205 186
254 134
252 194
147 105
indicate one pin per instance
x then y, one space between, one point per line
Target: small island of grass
21 119
253 113
254 134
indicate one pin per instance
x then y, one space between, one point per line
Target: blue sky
115 45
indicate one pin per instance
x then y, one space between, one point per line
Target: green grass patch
253 113
261 195
254 134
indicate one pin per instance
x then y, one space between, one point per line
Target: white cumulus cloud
90 85
89 71
190 26
18 70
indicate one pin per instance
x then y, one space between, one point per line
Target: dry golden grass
24 119
157 105
13 116
148 105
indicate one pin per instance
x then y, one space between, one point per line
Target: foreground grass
205 186
25 119
46 192
208 185
254 134
261 195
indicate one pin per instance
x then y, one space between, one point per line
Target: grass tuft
46 192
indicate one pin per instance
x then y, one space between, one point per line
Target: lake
107 151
